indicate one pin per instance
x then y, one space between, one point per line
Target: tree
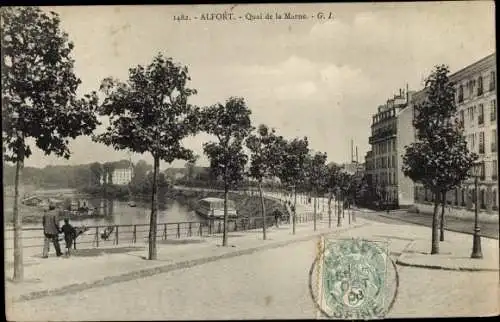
316 170
150 114
439 160
191 168
265 154
96 173
38 96
230 124
292 169
331 184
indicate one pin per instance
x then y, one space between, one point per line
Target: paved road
490 230
267 284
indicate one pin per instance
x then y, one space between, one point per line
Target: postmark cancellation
351 278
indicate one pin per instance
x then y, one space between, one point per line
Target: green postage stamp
351 278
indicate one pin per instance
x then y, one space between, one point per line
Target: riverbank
247 205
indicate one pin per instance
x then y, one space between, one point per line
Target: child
69 235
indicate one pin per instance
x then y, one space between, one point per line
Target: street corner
450 257
353 278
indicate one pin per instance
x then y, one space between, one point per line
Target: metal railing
111 235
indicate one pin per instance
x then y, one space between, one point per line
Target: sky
317 78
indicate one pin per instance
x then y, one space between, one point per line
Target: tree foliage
39 86
230 124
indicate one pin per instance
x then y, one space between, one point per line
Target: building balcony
382 135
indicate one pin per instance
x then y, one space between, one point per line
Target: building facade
122 176
384 153
475 89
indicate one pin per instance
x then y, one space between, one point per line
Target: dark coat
50 223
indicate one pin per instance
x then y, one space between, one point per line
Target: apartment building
475 88
383 158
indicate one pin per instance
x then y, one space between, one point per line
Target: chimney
356 154
352 151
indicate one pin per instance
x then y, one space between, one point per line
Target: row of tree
148 113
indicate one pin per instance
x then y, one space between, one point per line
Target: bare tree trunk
330 210
339 211
18 228
435 225
154 211
224 234
294 215
441 222
314 212
263 208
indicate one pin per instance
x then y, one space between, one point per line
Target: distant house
122 175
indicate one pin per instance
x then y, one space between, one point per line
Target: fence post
236 225
134 236
189 231
200 231
178 230
97 236
116 235
219 228
164 231
209 227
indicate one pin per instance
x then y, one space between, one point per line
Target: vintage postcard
250 161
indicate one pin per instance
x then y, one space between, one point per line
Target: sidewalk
89 268
454 254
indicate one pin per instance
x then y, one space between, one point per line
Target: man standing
51 231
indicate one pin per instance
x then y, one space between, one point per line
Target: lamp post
330 190
476 241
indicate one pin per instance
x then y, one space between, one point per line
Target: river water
113 211
120 213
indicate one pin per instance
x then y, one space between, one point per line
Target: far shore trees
440 159
150 114
39 100
230 124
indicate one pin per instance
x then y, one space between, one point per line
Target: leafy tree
292 169
230 124
150 114
38 95
265 149
316 170
439 160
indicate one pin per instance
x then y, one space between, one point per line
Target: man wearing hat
51 231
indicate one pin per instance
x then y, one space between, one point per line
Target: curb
444 268
423 225
147 272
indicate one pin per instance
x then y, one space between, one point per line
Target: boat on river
213 208
82 213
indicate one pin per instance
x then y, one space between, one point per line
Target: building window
480 86
470 85
492 81
462 118
481 142
494 140
483 171
480 118
493 110
394 161
460 93
494 170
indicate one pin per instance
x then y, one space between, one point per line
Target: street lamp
476 241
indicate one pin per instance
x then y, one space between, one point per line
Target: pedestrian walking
51 231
